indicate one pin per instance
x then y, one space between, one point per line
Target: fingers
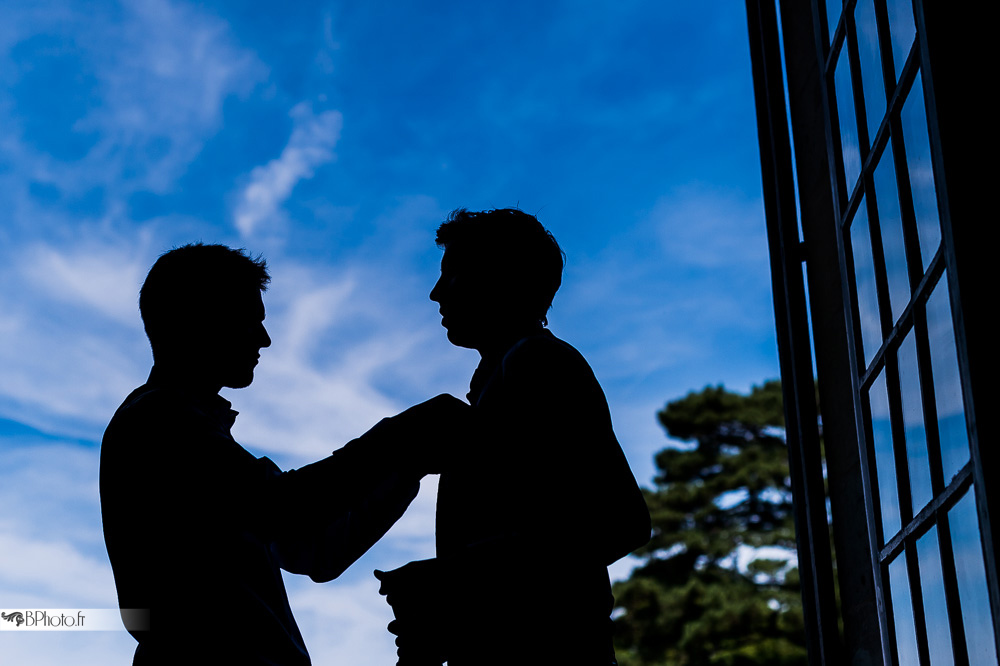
448 398
391 583
396 583
445 402
380 576
418 639
413 646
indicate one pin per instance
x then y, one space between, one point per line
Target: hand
414 591
436 412
432 432
411 582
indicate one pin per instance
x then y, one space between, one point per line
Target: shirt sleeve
316 520
344 505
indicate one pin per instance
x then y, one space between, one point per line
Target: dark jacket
538 505
197 527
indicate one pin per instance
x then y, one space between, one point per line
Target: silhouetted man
197 527
540 499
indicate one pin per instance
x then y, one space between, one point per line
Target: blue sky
333 137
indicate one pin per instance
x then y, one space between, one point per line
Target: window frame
826 214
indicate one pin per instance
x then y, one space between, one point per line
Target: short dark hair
516 244
189 283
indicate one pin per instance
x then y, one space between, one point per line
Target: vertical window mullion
878 253
842 194
856 336
907 214
890 649
917 601
905 502
857 88
885 52
874 511
925 373
957 626
898 438
846 203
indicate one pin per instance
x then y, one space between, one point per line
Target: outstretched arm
345 503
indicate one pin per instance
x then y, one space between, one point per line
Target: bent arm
335 543
348 501
586 491
339 507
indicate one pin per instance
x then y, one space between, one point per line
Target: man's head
500 270
202 309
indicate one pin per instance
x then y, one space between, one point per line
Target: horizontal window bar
928 515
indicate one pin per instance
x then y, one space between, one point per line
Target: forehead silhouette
506 245
198 282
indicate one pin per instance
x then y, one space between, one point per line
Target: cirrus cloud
310 146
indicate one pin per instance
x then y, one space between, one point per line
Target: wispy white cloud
353 342
147 86
656 324
53 574
710 227
73 340
50 554
310 146
686 309
58 648
344 623
345 341
96 276
185 52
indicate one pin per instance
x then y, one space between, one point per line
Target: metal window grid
923 277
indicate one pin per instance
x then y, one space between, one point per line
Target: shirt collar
491 361
212 404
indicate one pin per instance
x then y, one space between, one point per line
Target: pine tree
706 594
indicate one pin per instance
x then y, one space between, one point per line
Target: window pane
848 123
918 163
833 10
947 383
901 31
935 606
892 233
864 278
885 464
871 67
913 424
902 611
972 589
